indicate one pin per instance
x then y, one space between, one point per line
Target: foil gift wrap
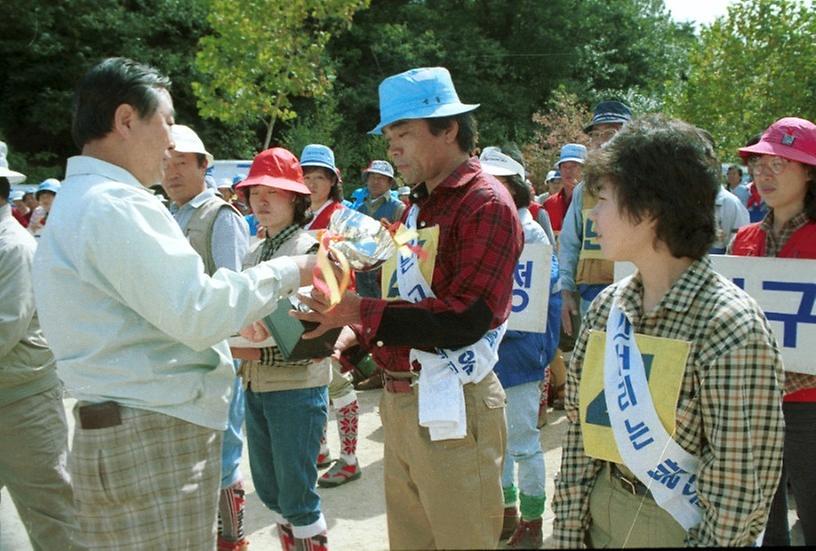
365 242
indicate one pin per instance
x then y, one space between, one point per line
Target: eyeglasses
775 166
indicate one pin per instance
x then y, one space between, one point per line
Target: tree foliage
562 122
258 61
753 66
263 53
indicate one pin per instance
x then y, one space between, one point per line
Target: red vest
534 208
556 206
321 222
750 241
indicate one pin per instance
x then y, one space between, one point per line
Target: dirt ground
355 512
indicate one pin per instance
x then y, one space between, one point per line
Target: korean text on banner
785 289
531 289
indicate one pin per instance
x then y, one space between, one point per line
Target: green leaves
263 53
753 66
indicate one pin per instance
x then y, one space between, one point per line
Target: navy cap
610 112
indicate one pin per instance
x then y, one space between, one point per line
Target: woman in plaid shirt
713 365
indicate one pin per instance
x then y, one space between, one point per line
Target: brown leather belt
398 385
100 416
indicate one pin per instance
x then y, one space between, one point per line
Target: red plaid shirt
480 240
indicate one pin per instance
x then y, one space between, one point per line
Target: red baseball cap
278 168
791 138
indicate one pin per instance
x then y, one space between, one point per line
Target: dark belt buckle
100 416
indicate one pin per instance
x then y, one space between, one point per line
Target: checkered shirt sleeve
729 413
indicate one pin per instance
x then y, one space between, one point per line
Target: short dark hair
665 169
336 193
202 160
5 188
737 168
303 211
42 192
105 87
468 133
519 190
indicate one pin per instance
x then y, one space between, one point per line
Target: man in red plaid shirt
440 492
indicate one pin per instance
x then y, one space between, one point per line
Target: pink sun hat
790 138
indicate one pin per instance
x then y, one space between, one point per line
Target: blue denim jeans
283 431
233 443
523 444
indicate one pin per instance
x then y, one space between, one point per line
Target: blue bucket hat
424 93
51 184
572 152
318 155
610 112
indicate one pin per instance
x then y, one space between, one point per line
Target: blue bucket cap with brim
51 184
424 93
318 155
572 152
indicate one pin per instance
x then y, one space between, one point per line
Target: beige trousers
33 454
445 494
621 519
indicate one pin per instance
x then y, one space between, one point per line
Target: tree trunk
270 125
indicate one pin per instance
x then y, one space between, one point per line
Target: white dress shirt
126 306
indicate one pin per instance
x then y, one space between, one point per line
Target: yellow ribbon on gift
324 278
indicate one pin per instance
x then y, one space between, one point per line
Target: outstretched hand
346 312
257 332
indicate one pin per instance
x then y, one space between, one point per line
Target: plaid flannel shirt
729 413
480 240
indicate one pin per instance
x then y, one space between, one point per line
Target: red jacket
750 241
556 206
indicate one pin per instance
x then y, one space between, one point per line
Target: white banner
785 289
531 289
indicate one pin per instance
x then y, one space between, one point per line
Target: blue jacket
524 356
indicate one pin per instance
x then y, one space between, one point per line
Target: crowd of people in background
123 283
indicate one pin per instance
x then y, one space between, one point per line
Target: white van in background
223 170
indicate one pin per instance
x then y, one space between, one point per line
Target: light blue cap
51 184
318 155
572 152
16 195
424 93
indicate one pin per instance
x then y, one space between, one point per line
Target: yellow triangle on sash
665 364
429 241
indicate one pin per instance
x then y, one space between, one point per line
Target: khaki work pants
622 520
445 494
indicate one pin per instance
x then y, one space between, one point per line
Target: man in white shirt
137 326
